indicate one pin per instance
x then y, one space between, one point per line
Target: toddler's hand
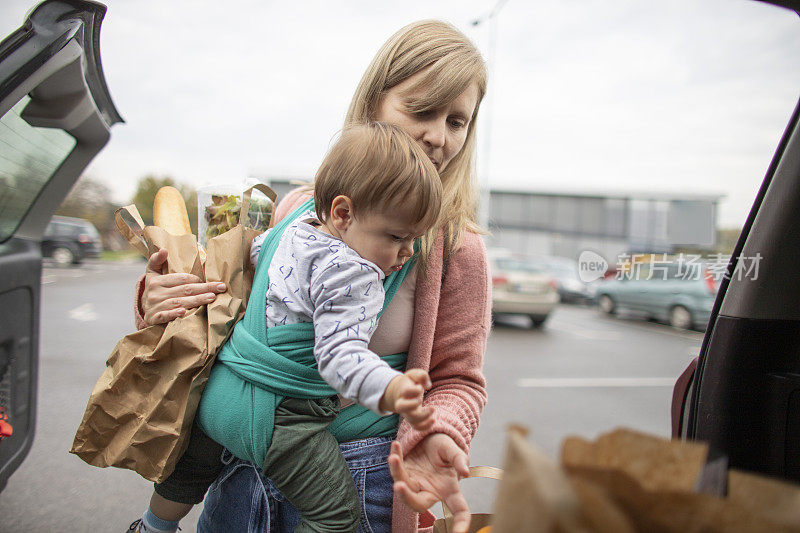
404 396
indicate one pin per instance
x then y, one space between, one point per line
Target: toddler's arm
255 247
347 295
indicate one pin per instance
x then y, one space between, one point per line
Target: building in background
565 224
281 185
613 224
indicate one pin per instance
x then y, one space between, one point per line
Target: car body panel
526 303
744 396
519 287
571 288
657 296
78 236
52 85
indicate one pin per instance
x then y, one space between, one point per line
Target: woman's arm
427 465
462 327
161 298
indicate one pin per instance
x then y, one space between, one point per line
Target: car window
70 230
58 229
564 269
517 265
674 271
639 272
28 157
90 230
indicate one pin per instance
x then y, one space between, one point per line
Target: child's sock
154 524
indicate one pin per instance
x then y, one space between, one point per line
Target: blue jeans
243 500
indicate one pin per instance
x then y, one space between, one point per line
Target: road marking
667 330
84 313
595 382
594 335
48 279
584 320
654 328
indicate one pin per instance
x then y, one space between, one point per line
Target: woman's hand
430 473
168 296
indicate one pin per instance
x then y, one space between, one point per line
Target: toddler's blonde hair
380 168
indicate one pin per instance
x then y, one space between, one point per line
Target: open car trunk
56 114
744 396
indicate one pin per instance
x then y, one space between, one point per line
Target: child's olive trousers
303 461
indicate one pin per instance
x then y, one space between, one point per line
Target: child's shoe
139 526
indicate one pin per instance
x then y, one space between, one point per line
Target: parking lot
582 373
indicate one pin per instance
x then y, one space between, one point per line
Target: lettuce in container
218 211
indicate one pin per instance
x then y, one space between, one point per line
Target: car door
744 397
56 113
664 290
633 290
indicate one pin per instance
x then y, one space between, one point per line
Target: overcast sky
686 96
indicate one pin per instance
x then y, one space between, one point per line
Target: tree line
91 200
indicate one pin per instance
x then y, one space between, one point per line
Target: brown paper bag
629 481
477 520
537 496
653 481
141 409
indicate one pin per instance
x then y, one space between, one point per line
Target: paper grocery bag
537 496
627 481
140 412
654 481
477 520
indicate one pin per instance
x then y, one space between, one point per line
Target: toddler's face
385 238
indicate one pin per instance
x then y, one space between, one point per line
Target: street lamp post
486 114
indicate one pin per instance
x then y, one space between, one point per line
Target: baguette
169 212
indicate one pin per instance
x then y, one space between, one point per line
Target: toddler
318 292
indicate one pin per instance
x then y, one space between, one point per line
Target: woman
429 80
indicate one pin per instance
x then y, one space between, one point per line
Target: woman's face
440 132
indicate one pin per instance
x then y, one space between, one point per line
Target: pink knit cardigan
451 325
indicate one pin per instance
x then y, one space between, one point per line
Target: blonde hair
452 63
380 168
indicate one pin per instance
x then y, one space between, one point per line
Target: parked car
57 112
68 241
521 287
571 288
673 293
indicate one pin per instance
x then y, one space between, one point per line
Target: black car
68 241
55 116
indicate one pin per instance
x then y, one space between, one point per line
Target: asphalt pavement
581 374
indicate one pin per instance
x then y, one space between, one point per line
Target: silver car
521 287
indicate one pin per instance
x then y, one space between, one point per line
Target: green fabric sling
257 367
